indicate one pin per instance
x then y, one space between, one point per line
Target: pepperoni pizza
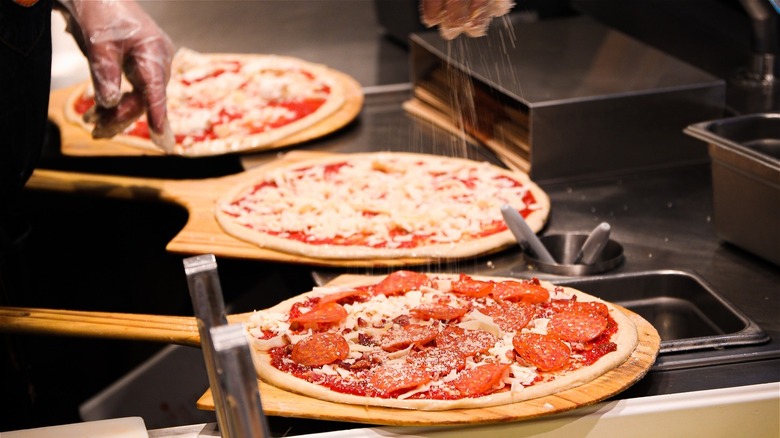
222 103
438 341
383 205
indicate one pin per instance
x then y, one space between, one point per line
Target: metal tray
686 311
745 154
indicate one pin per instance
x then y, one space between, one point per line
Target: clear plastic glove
118 36
455 17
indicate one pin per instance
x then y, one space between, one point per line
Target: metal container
745 154
568 96
688 313
564 249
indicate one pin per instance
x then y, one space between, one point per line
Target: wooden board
202 234
279 402
77 142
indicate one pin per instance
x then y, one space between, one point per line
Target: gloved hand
454 17
119 36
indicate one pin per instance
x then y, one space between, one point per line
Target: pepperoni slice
466 285
320 349
390 379
400 282
468 342
481 379
412 334
597 351
581 306
574 326
328 313
438 311
347 296
527 291
437 361
510 316
545 352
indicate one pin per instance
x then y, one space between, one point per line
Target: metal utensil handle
238 382
209 308
523 233
594 244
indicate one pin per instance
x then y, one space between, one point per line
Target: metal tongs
226 352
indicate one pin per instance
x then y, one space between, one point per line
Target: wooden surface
283 403
202 234
179 330
279 402
75 141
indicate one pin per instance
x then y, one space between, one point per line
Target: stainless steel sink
686 311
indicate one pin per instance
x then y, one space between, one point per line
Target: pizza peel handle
181 330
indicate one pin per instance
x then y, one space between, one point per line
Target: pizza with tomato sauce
381 205
438 341
223 103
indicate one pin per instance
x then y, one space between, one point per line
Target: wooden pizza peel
202 234
279 402
79 143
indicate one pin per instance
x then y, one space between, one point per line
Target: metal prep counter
663 218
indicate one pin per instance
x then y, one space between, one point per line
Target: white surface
130 427
746 411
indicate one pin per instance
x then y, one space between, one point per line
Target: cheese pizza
381 205
438 341
223 103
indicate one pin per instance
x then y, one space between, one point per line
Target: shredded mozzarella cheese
440 200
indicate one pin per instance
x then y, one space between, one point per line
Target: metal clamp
209 309
238 381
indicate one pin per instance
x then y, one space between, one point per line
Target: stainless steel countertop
343 34
663 218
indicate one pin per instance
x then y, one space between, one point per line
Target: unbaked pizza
438 341
382 205
223 103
